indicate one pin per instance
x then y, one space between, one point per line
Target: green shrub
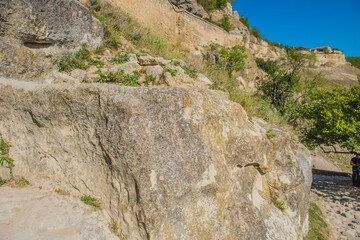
269 134
82 60
189 71
120 78
95 5
4 147
210 5
9 162
120 58
326 50
91 201
173 72
226 24
149 79
256 33
2 181
232 59
113 42
22 181
244 21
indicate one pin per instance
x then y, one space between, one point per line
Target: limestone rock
127 67
105 71
155 71
78 74
56 77
162 61
168 79
37 33
92 77
152 61
178 62
132 57
203 78
147 61
164 161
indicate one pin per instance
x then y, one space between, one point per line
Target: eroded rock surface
34 34
167 163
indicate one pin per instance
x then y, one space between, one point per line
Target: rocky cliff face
34 34
167 163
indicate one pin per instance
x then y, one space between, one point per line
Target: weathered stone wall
179 25
261 49
331 58
167 163
34 34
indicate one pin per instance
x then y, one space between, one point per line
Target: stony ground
340 205
31 213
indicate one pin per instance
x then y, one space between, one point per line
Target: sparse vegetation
62 192
22 181
120 58
4 159
82 60
326 50
91 201
226 24
2 181
149 79
269 134
189 71
114 226
279 204
244 21
210 5
256 33
120 78
8 161
318 228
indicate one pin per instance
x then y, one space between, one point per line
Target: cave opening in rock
33 44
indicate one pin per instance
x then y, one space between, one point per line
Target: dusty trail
34 214
340 205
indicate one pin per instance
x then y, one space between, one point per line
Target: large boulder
34 34
167 163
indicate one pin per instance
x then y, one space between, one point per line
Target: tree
282 82
256 33
232 59
332 118
226 24
244 21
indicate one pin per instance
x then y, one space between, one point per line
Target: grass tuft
318 228
91 201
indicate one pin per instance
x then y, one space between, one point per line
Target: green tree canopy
333 117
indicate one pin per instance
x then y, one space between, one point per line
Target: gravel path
34 214
340 205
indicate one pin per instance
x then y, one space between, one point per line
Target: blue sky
307 23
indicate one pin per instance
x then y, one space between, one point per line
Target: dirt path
340 205
31 213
